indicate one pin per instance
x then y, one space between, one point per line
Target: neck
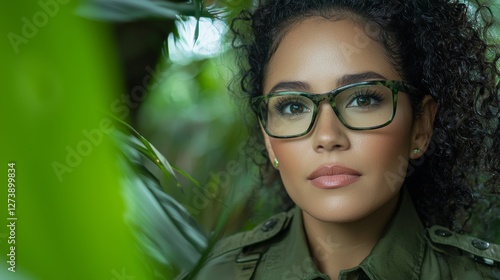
339 246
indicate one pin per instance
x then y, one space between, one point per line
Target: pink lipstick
333 176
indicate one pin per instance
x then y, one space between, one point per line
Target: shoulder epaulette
260 233
480 250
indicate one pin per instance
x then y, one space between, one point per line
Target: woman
381 118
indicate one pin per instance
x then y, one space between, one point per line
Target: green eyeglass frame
260 103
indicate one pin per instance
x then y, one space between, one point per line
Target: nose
329 133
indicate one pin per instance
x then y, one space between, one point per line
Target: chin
340 211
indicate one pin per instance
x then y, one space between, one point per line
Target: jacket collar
293 260
397 255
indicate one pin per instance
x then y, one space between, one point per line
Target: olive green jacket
277 249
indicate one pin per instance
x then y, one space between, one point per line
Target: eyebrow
342 81
359 77
290 85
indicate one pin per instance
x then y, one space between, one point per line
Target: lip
333 176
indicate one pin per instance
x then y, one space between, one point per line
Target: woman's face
317 55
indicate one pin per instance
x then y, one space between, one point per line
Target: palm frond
130 10
164 229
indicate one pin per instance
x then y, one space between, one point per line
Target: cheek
293 156
288 151
386 152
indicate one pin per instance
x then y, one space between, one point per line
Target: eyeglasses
360 106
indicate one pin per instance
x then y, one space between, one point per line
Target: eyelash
376 96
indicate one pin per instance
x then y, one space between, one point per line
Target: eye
294 108
365 99
362 101
291 106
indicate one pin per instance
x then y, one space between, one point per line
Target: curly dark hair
441 47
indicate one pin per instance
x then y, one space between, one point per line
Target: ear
423 127
269 148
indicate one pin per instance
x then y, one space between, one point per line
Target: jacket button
442 233
480 244
269 225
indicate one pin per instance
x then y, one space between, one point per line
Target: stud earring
276 163
416 150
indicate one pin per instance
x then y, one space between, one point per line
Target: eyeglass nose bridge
330 97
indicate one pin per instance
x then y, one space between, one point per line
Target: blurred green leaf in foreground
59 77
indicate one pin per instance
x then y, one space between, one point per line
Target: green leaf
130 10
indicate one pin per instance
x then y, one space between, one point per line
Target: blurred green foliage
58 79
192 119
61 78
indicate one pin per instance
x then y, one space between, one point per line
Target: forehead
320 51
